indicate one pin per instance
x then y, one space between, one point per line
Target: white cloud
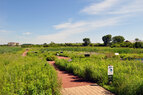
27 33
132 7
114 7
97 8
76 28
116 10
70 25
61 26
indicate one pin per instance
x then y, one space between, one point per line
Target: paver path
25 53
72 85
86 90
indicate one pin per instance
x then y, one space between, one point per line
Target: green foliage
127 79
118 39
106 39
86 41
138 45
27 76
7 49
115 45
50 58
126 44
131 56
94 49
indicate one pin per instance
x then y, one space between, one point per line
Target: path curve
69 80
73 85
25 52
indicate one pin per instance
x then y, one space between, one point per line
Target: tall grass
127 79
9 49
94 49
27 76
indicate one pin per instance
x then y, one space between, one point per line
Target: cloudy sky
43 21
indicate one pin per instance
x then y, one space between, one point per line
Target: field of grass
128 75
94 49
9 49
28 75
32 75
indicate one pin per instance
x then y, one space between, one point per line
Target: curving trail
73 85
69 80
25 53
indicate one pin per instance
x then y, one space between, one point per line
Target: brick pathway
72 85
86 90
25 53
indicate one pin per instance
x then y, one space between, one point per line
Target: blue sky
43 21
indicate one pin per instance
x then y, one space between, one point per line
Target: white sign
116 53
110 70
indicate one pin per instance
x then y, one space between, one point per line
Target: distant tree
107 39
138 45
137 39
126 44
52 44
45 45
86 41
118 39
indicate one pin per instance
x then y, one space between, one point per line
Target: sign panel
116 53
110 70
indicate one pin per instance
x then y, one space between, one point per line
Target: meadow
6 49
28 75
95 49
32 75
128 75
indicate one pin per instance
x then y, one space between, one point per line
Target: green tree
126 44
86 41
138 45
52 44
137 39
107 39
118 39
45 45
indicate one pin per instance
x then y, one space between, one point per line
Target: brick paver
25 53
86 90
72 85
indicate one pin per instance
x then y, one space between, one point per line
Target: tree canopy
107 39
86 41
118 39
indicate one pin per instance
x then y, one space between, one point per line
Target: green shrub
27 76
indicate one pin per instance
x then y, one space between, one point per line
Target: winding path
73 85
25 53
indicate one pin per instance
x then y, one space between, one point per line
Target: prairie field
28 75
32 75
127 78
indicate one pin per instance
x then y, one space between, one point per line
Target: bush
50 58
138 45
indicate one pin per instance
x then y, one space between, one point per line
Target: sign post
110 74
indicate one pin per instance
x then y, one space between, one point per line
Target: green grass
94 49
9 49
127 79
31 75
27 76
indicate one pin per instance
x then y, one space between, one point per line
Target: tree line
119 41
108 41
